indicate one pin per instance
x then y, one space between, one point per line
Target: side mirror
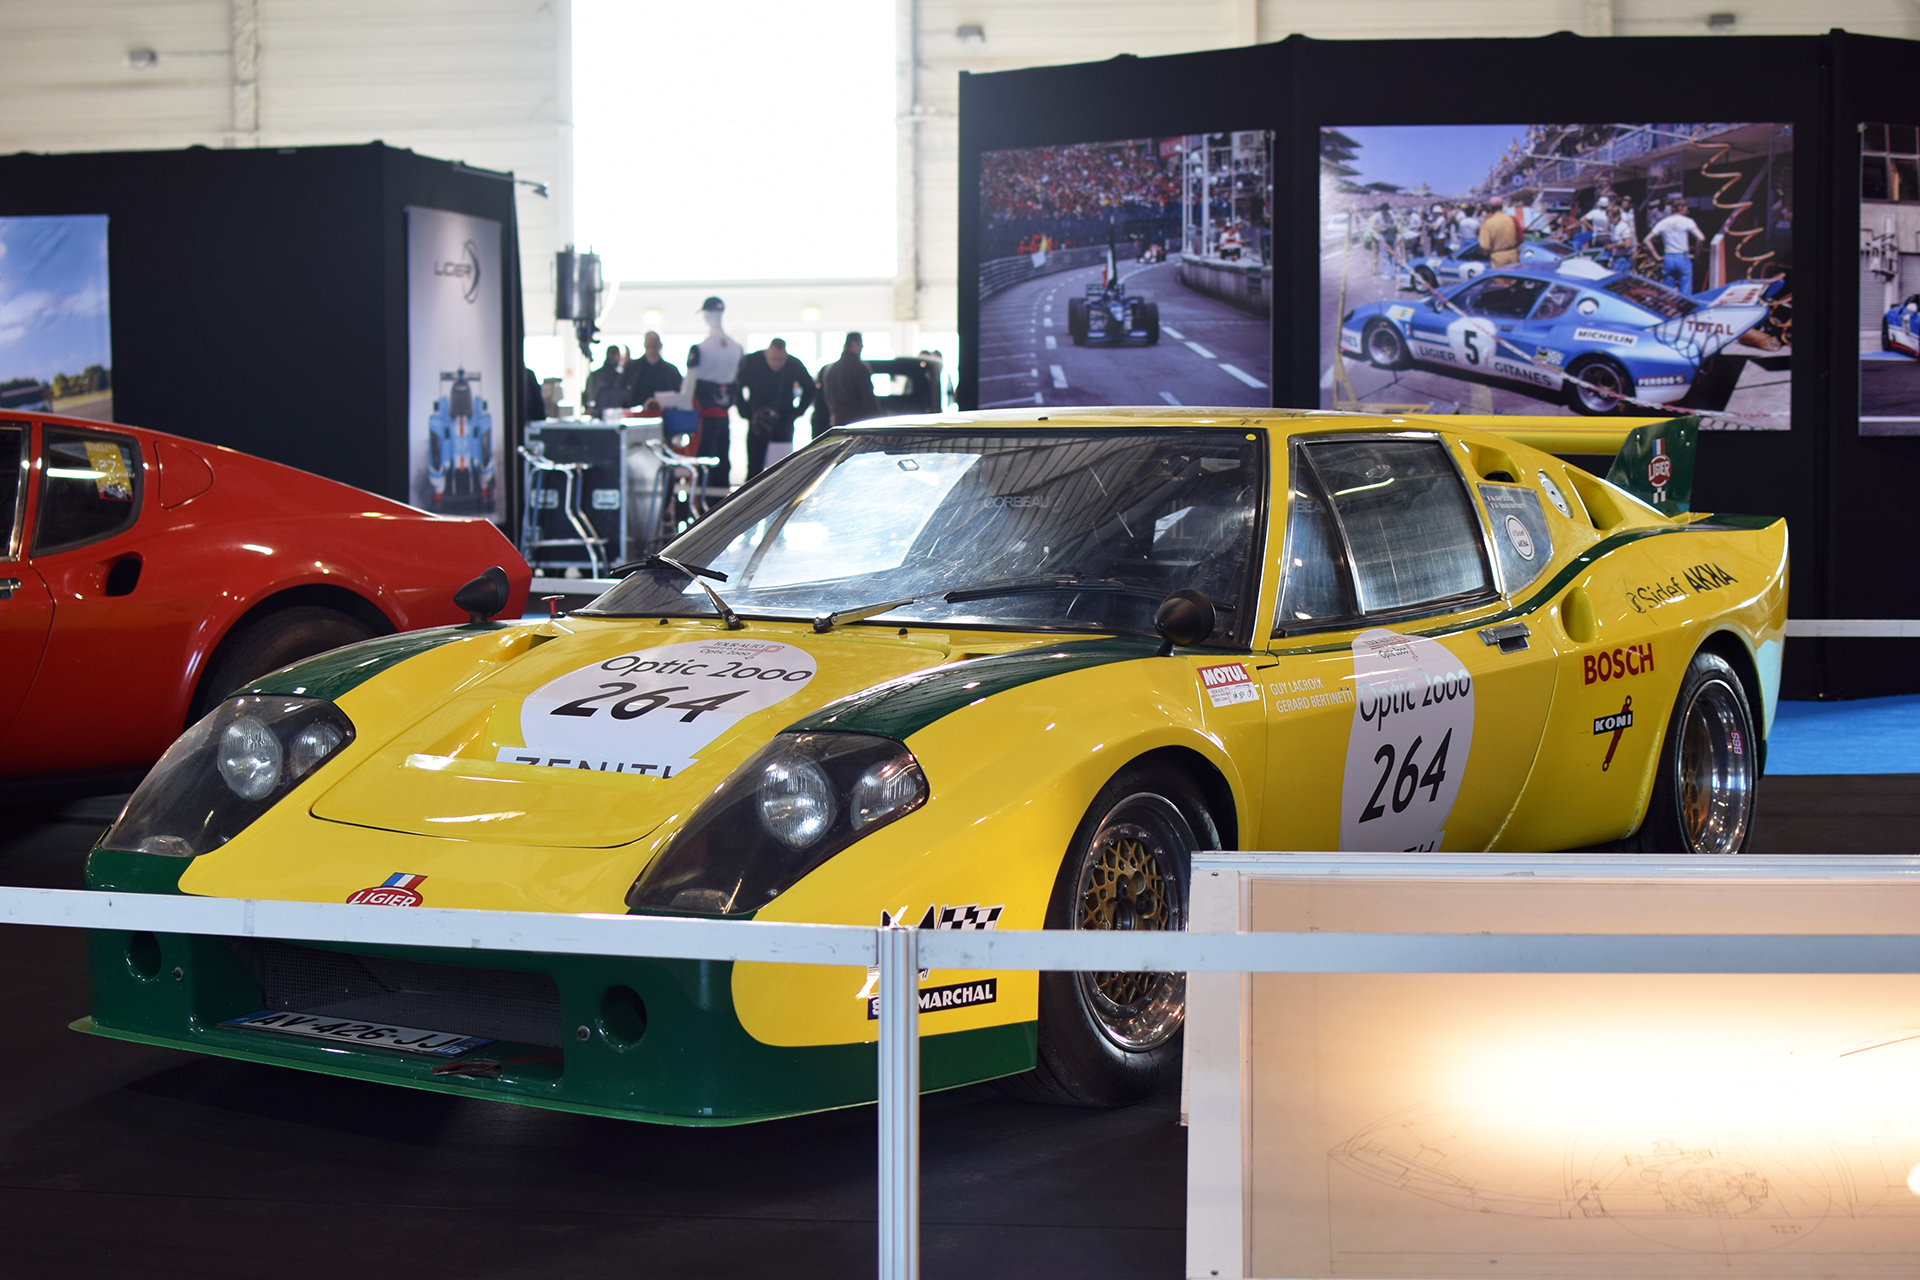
1184 618
485 596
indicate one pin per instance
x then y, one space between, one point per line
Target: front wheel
1428 278
1110 1039
1708 779
269 643
1150 321
1077 321
1602 388
1384 346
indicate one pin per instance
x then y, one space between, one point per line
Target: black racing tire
1886 336
271 642
1709 772
1602 372
1113 1039
1383 345
1077 321
1427 277
1150 321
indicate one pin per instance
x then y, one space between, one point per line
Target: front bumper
686 1061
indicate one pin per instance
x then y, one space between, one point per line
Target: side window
1522 542
1501 297
1318 584
89 488
1556 303
1410 528
13 450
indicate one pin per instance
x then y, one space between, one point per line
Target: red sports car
144 576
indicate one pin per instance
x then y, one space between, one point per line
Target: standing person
1386 234
1596 226
1500 234
847 385
1675 236
1437 230
603 385
1624 235
774 389
647 376
1468 226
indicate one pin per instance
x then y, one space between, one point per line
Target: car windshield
1657 298
1040 529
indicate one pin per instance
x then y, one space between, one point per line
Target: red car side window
13 452
90 485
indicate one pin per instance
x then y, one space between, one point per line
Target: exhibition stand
1239 1213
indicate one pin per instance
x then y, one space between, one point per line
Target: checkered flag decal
973 916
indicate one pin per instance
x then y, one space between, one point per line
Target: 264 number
630 708
1408 781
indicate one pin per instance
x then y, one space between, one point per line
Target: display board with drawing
1594 268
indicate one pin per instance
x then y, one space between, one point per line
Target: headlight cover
801 799
227 770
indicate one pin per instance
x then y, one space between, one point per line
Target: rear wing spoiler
1652 457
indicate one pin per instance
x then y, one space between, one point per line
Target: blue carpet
1865 735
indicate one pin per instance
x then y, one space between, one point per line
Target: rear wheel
1110 1039
1384 346
1427 277
1709 773
269 643
1150 321
1886 336
1604 385
1077 321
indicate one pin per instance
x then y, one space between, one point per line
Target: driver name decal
1412 729
651 712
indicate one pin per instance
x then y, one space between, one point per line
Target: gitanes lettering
1618 664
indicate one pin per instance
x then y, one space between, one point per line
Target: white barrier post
899 1217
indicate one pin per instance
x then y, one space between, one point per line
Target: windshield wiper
826 622
694 573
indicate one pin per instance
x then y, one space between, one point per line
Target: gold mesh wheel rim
1130 879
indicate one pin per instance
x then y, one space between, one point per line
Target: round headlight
885 789
249 758
312 745
796 801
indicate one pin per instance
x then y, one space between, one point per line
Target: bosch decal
397 890
1619 664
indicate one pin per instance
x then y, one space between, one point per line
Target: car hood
603 730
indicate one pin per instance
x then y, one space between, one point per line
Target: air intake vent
497 1003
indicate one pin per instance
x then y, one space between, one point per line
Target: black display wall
259 297
1847 497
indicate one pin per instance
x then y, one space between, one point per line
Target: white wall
484 81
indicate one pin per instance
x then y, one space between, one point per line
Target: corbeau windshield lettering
1618 664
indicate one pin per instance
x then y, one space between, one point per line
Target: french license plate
376 1035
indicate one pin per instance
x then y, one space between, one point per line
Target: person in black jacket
647 375
603 385
772 389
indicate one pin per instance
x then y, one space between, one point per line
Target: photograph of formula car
1000 671
1889 262
1601 340
1108 315
143 577
1091 246
1412 212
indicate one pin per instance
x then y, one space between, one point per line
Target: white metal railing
901 952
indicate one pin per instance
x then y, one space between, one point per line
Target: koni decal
1615 724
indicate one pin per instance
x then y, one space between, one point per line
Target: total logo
1629 660
397 890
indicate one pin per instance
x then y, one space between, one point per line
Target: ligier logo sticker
651 712
1228 683
397 890
1659 466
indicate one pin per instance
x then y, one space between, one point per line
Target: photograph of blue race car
1900 327
1467 259
1573 331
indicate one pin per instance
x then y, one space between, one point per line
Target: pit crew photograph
1165 633
1639 268
1127 272
1889 280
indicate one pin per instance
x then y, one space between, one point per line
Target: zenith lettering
1630 660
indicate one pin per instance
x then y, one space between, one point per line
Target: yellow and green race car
959 672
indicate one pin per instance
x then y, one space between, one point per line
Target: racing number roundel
652 711
1473 341
1412 728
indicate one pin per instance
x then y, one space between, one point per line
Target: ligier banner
1601 268
56 349
455 380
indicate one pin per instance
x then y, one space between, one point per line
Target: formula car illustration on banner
1572 331
1004 671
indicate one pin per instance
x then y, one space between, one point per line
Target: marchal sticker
1412 730
398 890
652 711
1227 683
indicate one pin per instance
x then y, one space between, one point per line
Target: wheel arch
1213 785
317 594
1731 646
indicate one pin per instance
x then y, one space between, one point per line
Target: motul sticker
397 890
1227 683
1412 731
651 712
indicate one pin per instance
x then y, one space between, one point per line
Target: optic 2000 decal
652 711
1412 729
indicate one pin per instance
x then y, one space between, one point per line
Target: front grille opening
500 1004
